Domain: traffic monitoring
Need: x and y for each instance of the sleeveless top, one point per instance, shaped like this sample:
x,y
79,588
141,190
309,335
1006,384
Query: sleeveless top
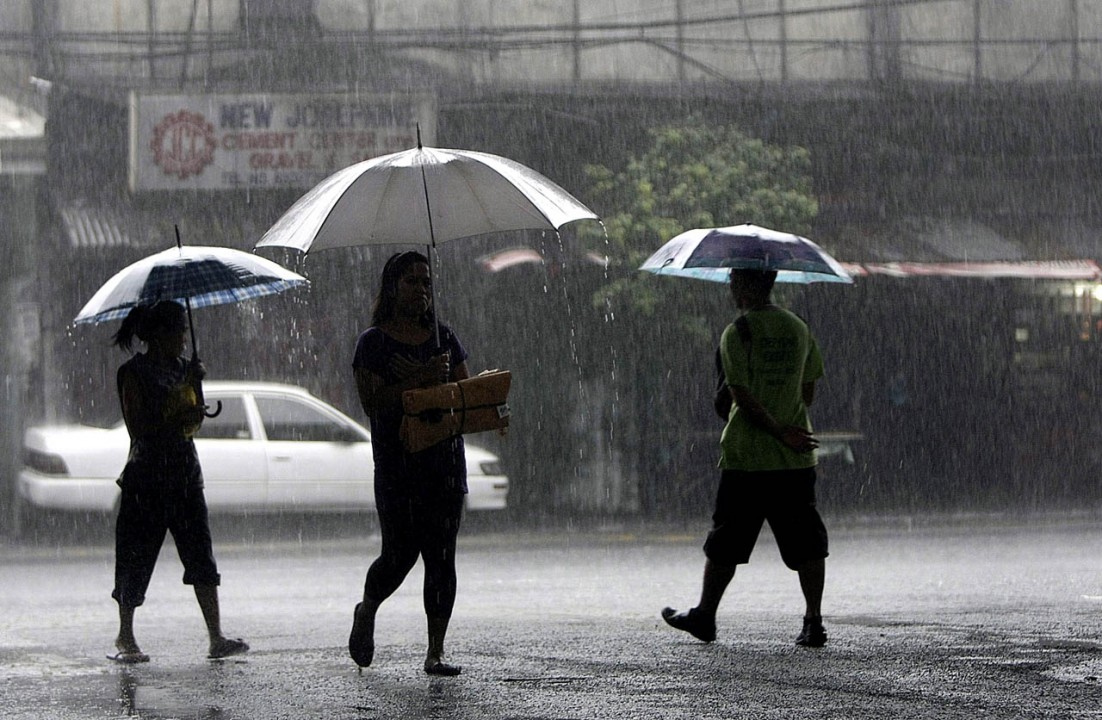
x,y
167,453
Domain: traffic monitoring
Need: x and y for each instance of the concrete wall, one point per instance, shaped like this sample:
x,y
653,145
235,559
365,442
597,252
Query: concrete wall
x,y
19,336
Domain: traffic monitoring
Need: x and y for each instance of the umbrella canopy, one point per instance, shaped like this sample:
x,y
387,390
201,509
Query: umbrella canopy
x,y
195,276
711,254
424,196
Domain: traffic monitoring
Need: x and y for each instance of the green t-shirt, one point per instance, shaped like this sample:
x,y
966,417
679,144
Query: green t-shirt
x,y
783,356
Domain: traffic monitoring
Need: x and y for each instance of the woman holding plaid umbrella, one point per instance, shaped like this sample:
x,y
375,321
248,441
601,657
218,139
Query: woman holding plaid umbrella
x,y
162,483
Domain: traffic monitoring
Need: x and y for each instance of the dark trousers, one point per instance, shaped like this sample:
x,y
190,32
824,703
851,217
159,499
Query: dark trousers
x,y
417,524
147,511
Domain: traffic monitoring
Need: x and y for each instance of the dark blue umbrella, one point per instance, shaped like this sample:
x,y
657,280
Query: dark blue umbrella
x,y
194,277
711,254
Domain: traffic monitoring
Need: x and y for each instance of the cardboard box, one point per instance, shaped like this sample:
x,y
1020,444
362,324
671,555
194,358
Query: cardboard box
x,y
473,405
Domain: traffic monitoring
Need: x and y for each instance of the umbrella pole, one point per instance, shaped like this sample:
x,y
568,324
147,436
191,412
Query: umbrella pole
x,y
196,381
191,328
432,289
187,304
429,248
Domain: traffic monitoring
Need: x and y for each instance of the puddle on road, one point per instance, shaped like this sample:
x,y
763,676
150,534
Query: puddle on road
x,y
1089,672
150,702
872,621
50,665
553,680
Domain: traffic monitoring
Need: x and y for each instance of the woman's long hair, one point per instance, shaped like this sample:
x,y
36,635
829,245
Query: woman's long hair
x,y
386,300
145,321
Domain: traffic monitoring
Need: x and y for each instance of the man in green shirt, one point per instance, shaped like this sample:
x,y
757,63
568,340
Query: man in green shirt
x,y
767,460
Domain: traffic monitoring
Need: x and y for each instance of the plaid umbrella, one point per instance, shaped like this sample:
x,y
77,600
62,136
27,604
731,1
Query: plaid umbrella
x,y
194,276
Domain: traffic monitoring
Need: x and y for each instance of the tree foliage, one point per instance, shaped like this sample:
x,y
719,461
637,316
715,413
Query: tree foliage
x,y
692,175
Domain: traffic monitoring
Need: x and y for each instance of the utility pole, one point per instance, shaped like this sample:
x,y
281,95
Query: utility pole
x,y
577,72
679,19
977,40
782,19
885,63
1075,43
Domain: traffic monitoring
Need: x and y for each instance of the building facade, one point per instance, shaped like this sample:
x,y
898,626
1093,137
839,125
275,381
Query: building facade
x,y
941,131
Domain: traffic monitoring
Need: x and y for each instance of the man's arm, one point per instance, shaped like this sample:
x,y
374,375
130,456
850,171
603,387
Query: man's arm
x,y
794,437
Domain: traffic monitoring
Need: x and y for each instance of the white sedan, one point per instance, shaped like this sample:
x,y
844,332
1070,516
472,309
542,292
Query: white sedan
x,y
273,447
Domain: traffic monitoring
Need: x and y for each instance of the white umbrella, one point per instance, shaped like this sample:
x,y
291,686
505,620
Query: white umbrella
x,y
711,254
424,196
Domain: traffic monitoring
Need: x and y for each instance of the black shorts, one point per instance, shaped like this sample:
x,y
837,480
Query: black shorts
x,y
786,498
149,508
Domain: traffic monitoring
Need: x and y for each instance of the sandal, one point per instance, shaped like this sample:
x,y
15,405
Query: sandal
x,y
129,657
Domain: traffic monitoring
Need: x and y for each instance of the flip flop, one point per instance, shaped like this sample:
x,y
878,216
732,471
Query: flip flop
x,y
129,657
227,647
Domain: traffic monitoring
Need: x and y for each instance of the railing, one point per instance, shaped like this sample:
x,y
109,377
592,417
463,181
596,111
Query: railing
x,y
950,41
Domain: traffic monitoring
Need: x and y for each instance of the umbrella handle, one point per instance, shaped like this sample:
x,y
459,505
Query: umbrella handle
x,y
196,381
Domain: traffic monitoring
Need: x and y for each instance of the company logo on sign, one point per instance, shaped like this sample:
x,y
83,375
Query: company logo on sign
x,y
183,144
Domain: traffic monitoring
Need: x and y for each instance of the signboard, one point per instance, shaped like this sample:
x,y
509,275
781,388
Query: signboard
x,y
260,141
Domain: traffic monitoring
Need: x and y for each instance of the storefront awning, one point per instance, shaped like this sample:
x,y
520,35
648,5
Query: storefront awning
x,y
1035,270
96,223
965,248
93,227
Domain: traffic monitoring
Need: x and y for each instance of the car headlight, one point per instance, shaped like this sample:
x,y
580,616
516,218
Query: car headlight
x,y
491,467
45,463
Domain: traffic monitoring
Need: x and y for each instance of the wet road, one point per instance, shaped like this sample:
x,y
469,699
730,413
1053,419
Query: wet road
x,y
942,620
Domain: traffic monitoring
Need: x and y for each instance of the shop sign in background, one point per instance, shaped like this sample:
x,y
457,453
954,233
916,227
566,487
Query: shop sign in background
x,y
226,142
